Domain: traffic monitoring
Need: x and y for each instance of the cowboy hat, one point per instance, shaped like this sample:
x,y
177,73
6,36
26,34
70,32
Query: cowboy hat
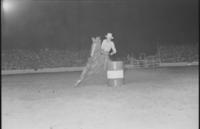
x,y
109,35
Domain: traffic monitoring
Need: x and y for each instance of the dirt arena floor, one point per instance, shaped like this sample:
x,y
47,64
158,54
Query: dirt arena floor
x,y
165,98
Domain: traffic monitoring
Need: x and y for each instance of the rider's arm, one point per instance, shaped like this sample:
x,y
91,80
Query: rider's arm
x,y
114,51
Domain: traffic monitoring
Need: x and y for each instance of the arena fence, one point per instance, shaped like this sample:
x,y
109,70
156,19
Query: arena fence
x,y
78,69
147,62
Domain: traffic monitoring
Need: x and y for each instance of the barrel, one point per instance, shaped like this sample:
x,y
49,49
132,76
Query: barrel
x,y
115,73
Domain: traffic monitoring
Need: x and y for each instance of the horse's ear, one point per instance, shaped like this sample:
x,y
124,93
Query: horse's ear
x,y
98,38
93,39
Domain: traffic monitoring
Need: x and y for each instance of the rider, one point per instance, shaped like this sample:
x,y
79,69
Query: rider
x,y
107,46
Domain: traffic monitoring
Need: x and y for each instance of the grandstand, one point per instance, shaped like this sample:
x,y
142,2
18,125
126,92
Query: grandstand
x,y
19,59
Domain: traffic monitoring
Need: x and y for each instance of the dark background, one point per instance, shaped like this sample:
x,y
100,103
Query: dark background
x,y
137,25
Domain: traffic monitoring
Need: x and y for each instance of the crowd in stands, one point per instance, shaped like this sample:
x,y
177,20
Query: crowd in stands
x,y
52,58
43,58
179,53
